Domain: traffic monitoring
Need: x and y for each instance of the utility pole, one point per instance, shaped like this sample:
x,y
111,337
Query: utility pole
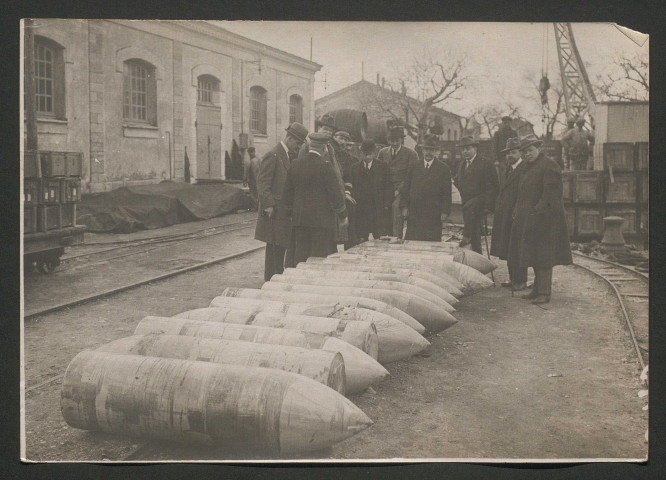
x,y
29,85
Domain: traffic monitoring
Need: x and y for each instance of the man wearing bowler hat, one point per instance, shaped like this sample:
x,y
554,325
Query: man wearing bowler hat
x,y
478,184
539,237
273,225
426,196
314,199
398,157
374,194
503,216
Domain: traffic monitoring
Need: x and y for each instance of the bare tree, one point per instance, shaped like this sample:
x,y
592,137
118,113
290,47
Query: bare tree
x,y
553,112
426,83
629,79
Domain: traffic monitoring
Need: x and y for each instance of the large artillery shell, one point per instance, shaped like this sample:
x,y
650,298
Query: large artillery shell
x,y
447,282
360,368
363,335
406,281
359,283
328,305
433,317
245,408
319,365
395,340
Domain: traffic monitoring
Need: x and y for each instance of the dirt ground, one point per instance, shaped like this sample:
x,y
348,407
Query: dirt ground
x,y
510,380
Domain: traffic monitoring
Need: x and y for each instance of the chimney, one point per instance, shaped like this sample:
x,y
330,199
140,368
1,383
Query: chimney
x,y
377,78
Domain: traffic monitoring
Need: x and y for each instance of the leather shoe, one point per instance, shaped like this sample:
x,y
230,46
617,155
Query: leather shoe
x,y
518,287
464,242
541,299
530,296
507,284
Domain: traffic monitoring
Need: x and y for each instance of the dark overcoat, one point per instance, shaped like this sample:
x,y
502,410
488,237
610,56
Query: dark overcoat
x,y
539,236
426,194
373,193
398,164
478,184
312,192
270,185
503,217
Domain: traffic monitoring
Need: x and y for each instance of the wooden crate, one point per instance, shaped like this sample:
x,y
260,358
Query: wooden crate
x,y
67,215
74,162
589,221
31,191
70,190
642,155
49,191
31,166
48,217
622,188
570,216
29,219
588,187
629,214
644,183
54,164
620,156
567,187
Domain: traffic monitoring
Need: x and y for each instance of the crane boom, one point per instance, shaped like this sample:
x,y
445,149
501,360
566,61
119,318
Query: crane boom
x,y
579,98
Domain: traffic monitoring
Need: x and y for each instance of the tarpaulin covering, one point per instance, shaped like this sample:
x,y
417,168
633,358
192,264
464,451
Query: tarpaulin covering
x,y
128,209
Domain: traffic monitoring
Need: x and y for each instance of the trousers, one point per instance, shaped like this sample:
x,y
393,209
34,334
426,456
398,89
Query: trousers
x,y
274,260
517,274
398,221
543,280
473,221
311,242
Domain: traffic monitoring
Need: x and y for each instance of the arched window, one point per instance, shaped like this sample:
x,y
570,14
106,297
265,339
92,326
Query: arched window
x,y
295,109
49,78
139,92
258,110
208,90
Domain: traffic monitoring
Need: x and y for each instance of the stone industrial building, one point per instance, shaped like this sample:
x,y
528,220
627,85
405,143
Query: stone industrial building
x,y
382,104
139,97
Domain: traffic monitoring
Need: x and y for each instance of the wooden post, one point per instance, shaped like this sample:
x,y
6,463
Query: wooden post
x,y
29,85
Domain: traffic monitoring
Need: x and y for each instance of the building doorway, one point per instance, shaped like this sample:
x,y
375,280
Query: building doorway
x,y
208,126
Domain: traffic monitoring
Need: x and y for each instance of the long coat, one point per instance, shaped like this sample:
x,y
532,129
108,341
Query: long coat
x,y
270,184
398,164
373,193
478,184
312,193
539,236
503,217
426,194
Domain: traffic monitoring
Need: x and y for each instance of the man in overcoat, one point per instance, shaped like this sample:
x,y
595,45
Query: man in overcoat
x,y
502,135
539,237
346,160
314,199
503,216
426,197
398,157
374,194
273,225
478,184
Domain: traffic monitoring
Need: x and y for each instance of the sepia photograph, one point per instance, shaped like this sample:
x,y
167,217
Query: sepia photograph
x,y
334,241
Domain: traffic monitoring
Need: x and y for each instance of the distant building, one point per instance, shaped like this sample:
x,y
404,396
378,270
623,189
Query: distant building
x,y
135,96
368,97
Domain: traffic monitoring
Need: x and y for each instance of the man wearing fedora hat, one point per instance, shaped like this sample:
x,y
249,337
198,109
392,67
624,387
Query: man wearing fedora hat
x,y
273,225
398,157
502,135
426,196
478,184
539,237
314,199
503,216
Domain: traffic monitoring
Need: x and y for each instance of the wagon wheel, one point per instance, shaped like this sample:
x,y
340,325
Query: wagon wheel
x,y
49,265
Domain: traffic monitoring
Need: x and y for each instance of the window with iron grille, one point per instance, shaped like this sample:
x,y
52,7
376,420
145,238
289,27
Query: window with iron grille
x,y
49,71
139,92
295,109
258,110
207,88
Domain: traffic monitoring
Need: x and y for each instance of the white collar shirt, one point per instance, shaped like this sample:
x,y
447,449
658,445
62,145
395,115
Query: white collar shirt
x,y
368,165
428,164
286,150
469,162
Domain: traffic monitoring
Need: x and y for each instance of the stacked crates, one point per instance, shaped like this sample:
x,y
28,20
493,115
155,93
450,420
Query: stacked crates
x,y
51,189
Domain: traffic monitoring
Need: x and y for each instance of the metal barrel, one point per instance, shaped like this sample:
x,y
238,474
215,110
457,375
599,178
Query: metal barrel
x,y
319,365
248,408
430,287
395,340
293,303
354,121
433,317
362,335
361,283
449,284
360,368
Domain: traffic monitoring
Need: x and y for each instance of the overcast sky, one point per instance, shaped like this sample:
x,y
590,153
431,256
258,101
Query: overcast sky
x,y
499,54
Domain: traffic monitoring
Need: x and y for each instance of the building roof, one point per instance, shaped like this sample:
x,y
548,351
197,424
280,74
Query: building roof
x,y
365,84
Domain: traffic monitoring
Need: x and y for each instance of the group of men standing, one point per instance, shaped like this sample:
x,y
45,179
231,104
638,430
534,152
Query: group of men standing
x,y
314,195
